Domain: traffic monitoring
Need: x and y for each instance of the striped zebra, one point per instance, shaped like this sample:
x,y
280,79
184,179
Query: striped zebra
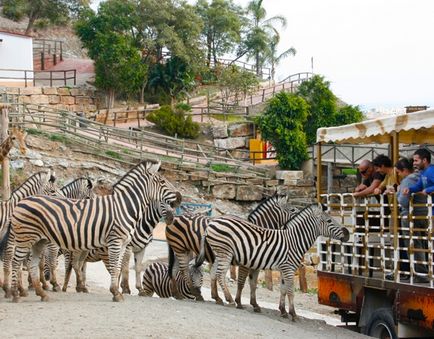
x,y
140,239
156,279
80,188
39,183
235,240
184,236
88,223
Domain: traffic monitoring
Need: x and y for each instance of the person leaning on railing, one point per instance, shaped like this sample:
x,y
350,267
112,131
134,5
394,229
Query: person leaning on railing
x,y
370,179
383,165
404,169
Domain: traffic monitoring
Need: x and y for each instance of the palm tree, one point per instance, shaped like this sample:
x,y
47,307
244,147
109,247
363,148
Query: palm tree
x,y
275,59
260,34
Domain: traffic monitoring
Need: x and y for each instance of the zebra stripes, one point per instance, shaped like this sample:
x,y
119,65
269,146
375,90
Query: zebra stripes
x,y
233,239
87,224
156,280
39,183
140,239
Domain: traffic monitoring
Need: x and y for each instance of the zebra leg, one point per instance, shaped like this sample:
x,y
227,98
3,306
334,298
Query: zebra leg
x,y
52,258
68,268
224,263
287,288
253,282
116,251
77,264
43,260
23,292
138,266
7,267
37,249
242,275
214,291
14,265
125,272
183,259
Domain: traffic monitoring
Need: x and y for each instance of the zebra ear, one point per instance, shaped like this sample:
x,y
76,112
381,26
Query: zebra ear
x,y
153,167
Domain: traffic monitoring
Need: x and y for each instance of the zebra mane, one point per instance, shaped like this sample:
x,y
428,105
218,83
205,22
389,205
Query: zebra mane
x,y
275,196
52,179
89,182
143,164
296,215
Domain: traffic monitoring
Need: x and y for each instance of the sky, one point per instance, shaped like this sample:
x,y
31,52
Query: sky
x,y
374,53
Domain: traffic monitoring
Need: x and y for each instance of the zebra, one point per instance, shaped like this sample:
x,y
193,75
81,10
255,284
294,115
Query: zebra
x,y
80,188
39,183
156,279
184,236
87,223
140,239
234,239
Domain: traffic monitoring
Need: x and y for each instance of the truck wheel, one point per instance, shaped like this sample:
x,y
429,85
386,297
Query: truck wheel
x,y
381,324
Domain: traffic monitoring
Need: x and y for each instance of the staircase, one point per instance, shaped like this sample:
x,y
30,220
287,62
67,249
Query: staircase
x,y
46,53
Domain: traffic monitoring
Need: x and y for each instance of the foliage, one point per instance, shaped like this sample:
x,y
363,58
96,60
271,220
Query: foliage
x,y
58,137
222,168
113,154
272,56
52,11
221,32
282,124
235,81
323,107
174,77
34,131
174,122
349,171
259,34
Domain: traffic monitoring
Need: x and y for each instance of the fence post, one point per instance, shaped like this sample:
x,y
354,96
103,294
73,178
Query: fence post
x,y
64,77
61,51
263,95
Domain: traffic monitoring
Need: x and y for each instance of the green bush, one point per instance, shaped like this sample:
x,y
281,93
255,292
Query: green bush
x,y
222,168
349,171
174,121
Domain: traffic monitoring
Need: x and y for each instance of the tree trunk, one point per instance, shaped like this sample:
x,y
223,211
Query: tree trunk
x,y
110,98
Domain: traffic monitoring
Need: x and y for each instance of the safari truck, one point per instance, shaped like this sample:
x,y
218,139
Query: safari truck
x,y
362,278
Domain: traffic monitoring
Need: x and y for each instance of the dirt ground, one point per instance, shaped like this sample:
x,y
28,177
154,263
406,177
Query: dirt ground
x,y
78,315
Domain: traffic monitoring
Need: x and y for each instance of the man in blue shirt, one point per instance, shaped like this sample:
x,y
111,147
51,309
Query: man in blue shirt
x,y
425,184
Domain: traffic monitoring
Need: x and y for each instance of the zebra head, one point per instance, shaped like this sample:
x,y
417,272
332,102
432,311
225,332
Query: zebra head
x,y
166,212
160,188
50,187
329,227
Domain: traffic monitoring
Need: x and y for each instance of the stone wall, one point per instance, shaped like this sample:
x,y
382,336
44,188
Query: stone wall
x,y
64,98
234,138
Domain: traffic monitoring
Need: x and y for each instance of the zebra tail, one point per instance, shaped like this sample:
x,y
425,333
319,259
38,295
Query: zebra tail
x,y
4,237
172,260
201,256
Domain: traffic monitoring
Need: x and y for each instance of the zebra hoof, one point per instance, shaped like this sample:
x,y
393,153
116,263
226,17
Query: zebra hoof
x,y
8,294
142,294
56,288
199,298
126,291
284,315
16,299
118,297
44,287
256,309
64,289
219,302
240,307
24,293
45,298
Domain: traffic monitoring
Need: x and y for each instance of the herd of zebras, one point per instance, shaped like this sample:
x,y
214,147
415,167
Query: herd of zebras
x,y
40,221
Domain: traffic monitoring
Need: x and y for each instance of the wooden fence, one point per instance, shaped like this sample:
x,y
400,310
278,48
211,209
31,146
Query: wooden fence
x,y
46,52
40,78
128,145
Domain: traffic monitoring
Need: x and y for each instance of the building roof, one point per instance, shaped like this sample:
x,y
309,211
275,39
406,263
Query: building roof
x,y
18,34
413,128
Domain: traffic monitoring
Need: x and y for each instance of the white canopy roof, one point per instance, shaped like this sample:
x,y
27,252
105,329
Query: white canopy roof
x,y
413,128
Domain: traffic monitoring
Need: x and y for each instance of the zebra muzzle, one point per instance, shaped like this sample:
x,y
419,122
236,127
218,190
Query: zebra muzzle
x,y
176,202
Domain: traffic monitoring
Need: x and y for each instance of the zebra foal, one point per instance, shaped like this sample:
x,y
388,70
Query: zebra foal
x,y
82,225
234,239
156,280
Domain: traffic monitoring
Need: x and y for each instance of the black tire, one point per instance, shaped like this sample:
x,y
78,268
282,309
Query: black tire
x,y
381,324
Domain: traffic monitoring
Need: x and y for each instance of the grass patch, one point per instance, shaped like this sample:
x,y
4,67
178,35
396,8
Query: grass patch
x,y
58,137
126,151
222,168
349,171
34,131
113,154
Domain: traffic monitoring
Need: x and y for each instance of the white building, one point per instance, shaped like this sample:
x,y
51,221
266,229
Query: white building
x,y
16,59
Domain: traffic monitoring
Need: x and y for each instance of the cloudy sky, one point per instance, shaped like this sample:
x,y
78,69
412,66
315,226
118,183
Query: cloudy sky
x,y
375,53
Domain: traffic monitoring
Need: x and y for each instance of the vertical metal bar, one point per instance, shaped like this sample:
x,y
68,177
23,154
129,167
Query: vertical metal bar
x,y
318,171
5,163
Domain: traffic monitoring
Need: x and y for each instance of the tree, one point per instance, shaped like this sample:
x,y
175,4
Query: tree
x,y
273,58
221,30
259,34
118,62
282,124
55,11
323,107
235,81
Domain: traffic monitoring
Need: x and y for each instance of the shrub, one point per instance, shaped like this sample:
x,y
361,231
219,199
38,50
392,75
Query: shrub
x,y
174,121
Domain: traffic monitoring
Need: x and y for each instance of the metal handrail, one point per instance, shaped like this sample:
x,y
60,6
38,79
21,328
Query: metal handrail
x,y
33,77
